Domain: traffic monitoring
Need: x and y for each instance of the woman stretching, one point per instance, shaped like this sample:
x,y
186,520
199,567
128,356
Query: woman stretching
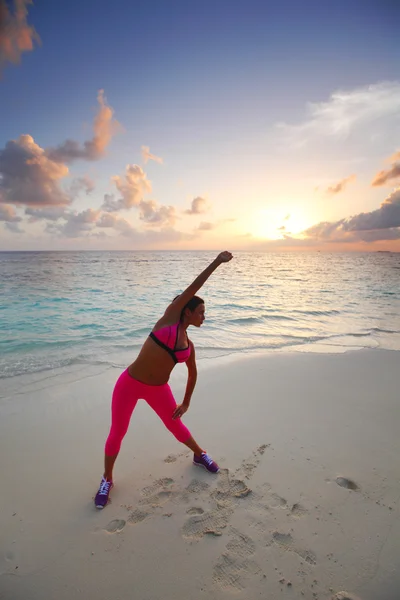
x,y
147,377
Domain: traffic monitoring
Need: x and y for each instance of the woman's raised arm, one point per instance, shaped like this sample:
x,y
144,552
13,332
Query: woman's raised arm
x,y
176,307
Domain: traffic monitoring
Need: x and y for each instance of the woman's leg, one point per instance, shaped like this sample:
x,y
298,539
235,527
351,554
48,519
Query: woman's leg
x,y
124,400
162,401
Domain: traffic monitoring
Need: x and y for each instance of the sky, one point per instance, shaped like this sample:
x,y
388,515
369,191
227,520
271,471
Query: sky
x,y
264,125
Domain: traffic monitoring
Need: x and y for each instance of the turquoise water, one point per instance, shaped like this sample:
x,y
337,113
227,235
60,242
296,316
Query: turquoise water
x,y
63,308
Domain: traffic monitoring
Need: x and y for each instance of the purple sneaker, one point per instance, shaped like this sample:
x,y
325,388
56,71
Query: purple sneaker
x,y
103,493
206,461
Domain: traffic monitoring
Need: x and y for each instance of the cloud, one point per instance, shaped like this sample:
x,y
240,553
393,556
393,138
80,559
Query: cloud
x,y
146,154
154,214
339,187
31,175
50,213
114,221
104,128
345,111
198,207
28,176
384,176
16,36
76,223
206,226
81,184
13,227
380,224
282,228
8,214
132,186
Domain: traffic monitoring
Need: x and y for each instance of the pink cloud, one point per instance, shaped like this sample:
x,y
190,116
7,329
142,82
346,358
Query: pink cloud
x,y
387,175
132,186
146,154
104,128
16,36
340,185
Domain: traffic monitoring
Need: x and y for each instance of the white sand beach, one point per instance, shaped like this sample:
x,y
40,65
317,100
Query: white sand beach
x,y
306,504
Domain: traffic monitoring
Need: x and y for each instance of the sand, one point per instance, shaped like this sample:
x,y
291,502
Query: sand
x,y
306,504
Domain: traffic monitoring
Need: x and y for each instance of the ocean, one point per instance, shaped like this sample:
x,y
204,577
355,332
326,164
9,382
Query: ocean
x,y
70,308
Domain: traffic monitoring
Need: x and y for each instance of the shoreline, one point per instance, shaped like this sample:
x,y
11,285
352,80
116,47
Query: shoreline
x,y
223,359
290,432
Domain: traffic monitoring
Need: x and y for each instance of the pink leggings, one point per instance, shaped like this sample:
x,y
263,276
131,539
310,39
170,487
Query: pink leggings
x,y
127,392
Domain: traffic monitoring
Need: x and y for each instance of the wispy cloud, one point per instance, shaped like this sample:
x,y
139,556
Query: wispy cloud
x,y
209,226
104,128
147,155
345,111
16,36
81,184
387,175
340,185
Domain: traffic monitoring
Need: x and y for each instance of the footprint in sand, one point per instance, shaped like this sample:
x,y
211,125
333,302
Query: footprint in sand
x,y
344,596
241,544
160,484
171,458
298,510
208,523
195,510
226,496
137,516
194,489
347,483
234,565
285,541
158,493
250,464
115,526
228,490
276,501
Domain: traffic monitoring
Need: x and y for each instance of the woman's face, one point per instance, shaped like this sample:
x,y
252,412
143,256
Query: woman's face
x,y
197,316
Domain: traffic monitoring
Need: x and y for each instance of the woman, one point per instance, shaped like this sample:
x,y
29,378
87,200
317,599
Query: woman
x,y
147,377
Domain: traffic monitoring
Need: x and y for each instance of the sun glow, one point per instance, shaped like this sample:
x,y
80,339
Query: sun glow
x,y
274,224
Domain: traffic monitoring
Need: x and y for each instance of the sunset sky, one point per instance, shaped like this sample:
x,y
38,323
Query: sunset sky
x,y
210,125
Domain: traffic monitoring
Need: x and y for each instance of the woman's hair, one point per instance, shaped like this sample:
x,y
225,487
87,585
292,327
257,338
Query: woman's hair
x,y
191,305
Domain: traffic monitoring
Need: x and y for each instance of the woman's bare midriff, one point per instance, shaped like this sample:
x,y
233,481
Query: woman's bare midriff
x,y
153,365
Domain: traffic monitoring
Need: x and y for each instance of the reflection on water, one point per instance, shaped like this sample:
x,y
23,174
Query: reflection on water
x,y
63,307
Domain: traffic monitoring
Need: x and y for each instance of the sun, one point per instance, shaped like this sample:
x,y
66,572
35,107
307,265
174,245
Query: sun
x,y
275,223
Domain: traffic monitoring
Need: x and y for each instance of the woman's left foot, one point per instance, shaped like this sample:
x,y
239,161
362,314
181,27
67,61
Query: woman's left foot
x,y
102,495
205,461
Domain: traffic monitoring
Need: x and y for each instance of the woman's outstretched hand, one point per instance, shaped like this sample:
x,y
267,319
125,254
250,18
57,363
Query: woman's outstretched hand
x,y
224,257
179,411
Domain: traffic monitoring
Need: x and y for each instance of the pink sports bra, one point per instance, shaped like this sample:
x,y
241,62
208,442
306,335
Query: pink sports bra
x,y
167,338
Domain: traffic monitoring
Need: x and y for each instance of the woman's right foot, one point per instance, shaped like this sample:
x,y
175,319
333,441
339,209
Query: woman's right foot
x,y
205,461
102,495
